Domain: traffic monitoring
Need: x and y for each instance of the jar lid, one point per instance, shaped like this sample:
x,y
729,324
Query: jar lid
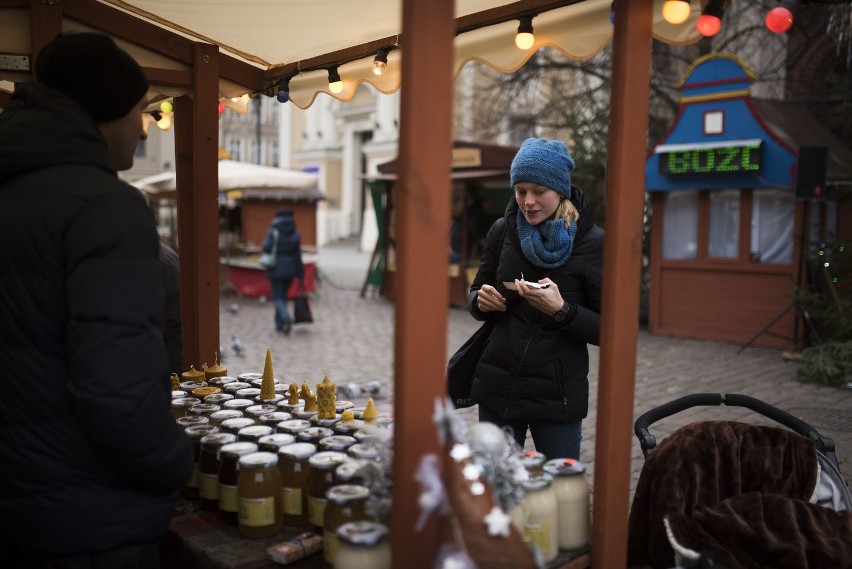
x,y
292,426
336,442
362,533
216,440
178,393
285,405
533,459
341,406
237,423
225,414
190,385
327,459
538,481
254,432
351,469
275,417
192,420
221,380
297,450
185,401
345,427
218,398
314,433
204,408
258,460
347,493
270,400
363,450
275,441
250,376
238,403
564,467
302,414
258,410
233,450
198,431
235,386
248,393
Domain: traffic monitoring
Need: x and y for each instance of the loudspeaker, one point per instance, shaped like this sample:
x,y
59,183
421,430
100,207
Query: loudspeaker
x,y
810,177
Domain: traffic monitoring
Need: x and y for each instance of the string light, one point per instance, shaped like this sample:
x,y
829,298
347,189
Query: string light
x,y
380,62
676,11
710,21
525,38
780,18
335,85
283,94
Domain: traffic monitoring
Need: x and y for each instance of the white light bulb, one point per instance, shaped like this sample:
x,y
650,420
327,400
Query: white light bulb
x,y
336,87
676,11
379,67
524,40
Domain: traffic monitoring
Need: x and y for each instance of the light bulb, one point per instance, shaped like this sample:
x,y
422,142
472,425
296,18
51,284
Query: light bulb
x,y
335,85
166,107
379,67
708,26
779,19
524,40
165,123
676,11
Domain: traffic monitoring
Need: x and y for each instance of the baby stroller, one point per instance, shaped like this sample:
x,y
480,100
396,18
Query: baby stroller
x,y
733,495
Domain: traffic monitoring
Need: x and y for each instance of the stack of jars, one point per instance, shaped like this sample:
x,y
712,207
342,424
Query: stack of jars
x,y
261,468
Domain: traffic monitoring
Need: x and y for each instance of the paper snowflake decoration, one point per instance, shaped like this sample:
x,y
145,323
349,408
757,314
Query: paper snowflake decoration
x,y
497,522
460,452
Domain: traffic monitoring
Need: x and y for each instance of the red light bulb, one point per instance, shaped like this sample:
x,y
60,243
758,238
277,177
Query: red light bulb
x,y
221,108
708,26
779,19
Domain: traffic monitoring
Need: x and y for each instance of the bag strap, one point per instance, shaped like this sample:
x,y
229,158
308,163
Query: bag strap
x,y
274,241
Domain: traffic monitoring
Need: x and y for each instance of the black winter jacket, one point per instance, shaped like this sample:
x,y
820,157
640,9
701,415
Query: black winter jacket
x,y
90,457
533,367
288,252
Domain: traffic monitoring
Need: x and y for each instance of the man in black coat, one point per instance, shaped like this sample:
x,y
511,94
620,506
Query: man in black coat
x,y
91,457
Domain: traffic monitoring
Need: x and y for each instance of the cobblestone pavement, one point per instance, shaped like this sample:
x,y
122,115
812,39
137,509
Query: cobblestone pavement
x,y
352,338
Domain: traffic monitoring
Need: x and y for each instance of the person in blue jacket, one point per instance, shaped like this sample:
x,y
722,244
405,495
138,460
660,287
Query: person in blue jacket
x,y
91,460
283,239
533,372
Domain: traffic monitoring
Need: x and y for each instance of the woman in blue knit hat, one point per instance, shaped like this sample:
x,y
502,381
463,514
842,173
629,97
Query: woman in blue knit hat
x,y
533,373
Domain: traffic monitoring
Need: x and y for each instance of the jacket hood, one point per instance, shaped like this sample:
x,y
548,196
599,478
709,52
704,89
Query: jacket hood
x,y
578,198
42,127
285,225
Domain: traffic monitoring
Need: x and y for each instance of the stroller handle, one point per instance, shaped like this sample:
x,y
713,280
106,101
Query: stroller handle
x,y
647,441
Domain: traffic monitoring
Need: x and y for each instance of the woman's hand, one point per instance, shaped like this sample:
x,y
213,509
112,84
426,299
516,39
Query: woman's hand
x,y
488,299
547,300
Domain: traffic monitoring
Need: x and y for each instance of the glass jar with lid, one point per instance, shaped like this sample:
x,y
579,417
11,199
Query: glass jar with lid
x,y
229,468
295,468
221,381
273,441
204,409
181,405
339,443
192,420
572,501
218,398
344,503
348,427
259,494
253,433
250,376
257,410
274,400
195,434
293,426
363,545
208,468
541,524
235,386
287,407
238,403
272,419
352,471
364,451
248,393
218,417
188,386
533,461
314,434
320,478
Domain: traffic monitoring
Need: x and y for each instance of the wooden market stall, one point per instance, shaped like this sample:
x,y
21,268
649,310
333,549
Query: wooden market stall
x,y
183,61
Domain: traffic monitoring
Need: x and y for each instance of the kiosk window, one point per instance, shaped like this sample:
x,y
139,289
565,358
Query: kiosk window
x,y
680,225
724,224
772,219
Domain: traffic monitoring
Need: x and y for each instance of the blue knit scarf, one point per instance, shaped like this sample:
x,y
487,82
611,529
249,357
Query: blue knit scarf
x,y
547,245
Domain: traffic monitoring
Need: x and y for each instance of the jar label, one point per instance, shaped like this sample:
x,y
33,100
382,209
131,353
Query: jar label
x,y
330,547
208,486
193,481
316,510
257,512
291,501
540,534
228,498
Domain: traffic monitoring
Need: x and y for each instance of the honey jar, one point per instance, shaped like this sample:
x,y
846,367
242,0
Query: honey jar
x,y
218,398
236,424
253,433
313,434
259,495
192,420
221,381
189,386
235,386
320,478
238,403
274,441
272,419
339,443
248,393
229,467
257,410
203,409
541,519
294,468
208,468
572,501
364,451
533,461
181,405
250,376
344,503
195,434
218,417
293,426
363,545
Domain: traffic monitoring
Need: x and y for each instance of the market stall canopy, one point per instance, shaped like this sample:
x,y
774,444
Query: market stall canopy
x,y
263,42
235,175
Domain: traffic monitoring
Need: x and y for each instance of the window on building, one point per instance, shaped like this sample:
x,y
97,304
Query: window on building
x,y
772,220
680,225
724,237
275,158
235,148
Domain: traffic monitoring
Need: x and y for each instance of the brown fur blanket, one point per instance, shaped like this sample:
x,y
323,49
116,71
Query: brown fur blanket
x,y
738,493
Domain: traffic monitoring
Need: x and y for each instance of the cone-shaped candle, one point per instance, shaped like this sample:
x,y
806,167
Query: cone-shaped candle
x,y
310,398
267,384
293,391
192,375
370,412
326,400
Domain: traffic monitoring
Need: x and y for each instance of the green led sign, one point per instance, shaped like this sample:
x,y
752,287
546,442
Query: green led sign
x,y
712,160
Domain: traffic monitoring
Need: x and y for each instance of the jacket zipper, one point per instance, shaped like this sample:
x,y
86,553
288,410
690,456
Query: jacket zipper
x,y
561,384
520,365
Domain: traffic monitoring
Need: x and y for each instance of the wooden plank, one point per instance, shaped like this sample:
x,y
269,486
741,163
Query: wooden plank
x,y
423,214
621,274
45,24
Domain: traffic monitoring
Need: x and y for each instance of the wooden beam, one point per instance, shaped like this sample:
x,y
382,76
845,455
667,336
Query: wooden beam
x,y
45,23
423,213
621,271
197,145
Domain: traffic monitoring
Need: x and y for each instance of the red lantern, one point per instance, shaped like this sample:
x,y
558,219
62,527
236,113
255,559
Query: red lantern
x,y
221,108
779,19
708,25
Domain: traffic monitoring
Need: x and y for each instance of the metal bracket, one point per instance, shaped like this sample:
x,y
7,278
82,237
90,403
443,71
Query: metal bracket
x,y
15,62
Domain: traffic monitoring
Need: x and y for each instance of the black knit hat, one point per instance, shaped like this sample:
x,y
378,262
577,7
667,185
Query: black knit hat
x,y
91,69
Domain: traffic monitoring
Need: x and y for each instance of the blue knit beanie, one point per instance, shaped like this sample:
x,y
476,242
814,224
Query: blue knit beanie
x,y
543,162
